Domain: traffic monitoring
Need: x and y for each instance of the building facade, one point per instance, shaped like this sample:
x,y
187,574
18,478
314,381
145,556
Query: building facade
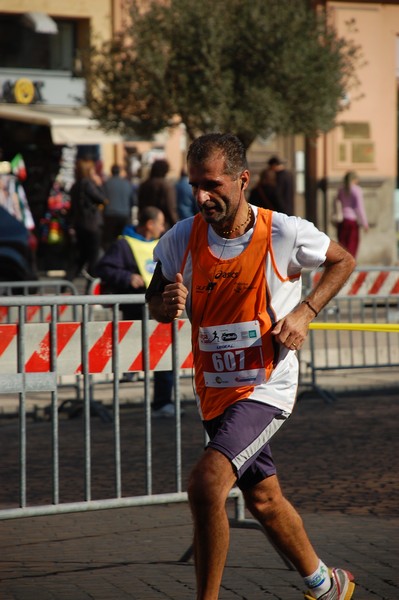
x,y
42,112
42,90
365,139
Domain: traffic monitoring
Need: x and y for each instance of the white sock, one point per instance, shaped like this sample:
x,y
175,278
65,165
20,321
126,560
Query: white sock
x,y
318,582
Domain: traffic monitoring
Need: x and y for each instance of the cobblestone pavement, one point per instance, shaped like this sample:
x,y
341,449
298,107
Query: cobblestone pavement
x,y
338,463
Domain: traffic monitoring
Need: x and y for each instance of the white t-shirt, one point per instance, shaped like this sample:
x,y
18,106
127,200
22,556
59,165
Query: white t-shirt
x,y
296,244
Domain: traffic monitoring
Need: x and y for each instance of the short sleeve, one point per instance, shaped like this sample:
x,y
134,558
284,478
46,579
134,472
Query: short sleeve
x,y
171,248
297,244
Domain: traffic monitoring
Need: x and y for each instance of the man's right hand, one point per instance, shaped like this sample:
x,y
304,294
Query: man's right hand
x,y
174,297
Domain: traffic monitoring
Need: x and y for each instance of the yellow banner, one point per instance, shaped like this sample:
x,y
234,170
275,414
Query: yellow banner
x,y
142,252
390,327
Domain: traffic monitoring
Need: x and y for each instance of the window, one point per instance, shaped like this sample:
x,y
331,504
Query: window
x,y
22,48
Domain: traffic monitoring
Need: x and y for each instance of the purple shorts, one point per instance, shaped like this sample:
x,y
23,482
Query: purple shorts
x,y
242,434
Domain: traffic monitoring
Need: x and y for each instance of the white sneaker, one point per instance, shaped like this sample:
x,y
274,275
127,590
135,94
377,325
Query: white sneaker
x,y
342,586
167,411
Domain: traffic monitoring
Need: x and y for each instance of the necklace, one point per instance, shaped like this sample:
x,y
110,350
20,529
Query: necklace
x,y
247,220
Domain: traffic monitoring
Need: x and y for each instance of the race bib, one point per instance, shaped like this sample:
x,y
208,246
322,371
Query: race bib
x,y
232,355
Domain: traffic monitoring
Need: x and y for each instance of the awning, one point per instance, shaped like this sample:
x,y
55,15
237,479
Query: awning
x,y
67,125
40,22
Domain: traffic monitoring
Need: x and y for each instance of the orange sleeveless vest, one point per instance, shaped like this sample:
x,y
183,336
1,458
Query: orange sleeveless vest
x,y
232,346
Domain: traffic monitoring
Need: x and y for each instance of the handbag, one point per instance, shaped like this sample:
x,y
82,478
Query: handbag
x,y
337,215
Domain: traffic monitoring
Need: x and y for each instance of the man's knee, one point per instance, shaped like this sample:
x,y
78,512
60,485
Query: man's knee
x,y
210,480
266,498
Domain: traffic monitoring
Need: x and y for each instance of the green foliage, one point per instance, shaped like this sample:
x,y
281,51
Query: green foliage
x,y
247,66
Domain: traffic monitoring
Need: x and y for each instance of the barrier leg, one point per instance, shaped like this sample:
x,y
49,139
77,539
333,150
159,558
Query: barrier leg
x,y
187,555
74,408
97,408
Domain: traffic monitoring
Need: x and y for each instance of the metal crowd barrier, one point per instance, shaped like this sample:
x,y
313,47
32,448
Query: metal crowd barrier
x,y
363,281
41,313
42,287
33,354
336,350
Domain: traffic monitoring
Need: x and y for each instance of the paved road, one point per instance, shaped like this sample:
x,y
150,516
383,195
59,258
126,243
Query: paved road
x,y
338,464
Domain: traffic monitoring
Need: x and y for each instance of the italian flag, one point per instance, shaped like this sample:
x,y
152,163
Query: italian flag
x,y
18,167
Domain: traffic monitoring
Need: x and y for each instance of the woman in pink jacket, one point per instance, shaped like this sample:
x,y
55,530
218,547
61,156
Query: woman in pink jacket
x,y
354,215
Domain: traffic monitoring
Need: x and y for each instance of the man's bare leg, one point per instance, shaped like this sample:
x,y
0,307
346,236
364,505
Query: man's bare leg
x,y
282,523
210,482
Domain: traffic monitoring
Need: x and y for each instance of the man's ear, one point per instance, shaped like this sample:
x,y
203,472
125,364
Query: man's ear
x,y
244,179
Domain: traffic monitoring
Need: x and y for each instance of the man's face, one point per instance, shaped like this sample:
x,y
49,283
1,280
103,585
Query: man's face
x,y
217,194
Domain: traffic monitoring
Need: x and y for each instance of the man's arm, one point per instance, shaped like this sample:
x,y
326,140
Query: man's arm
x,y
116,267
166,300
291,331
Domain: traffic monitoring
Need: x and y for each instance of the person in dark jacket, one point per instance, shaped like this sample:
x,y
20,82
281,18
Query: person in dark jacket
x,y
86,218
118,210
126,267
16,262
186,203
158,191
265,193
284,185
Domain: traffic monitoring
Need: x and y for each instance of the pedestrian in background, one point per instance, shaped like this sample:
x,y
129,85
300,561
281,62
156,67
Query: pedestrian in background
x,y
13,198
350,196
86,218
186,203
126,268
284,185
236,269
16,258
157,191
265,194
118,210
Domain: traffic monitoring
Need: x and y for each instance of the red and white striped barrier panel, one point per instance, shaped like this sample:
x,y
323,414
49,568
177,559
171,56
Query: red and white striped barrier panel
x,y
100,347
368,283
37,314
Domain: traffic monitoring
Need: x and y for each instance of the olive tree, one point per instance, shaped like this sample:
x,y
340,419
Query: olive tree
x,y
247,66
